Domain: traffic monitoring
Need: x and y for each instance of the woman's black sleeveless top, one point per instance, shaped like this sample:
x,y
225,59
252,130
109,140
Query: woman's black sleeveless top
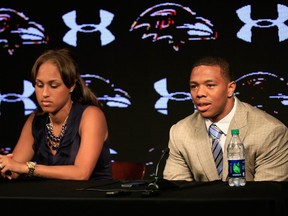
x,y
69,145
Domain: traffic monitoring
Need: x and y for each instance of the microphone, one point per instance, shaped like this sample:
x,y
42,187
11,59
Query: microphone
x,y
164,152
160,183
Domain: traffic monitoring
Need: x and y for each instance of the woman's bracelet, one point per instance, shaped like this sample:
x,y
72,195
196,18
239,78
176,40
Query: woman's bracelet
x,y
31,166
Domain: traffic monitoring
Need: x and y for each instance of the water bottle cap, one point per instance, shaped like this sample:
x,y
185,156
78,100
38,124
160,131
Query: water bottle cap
x,y
235,131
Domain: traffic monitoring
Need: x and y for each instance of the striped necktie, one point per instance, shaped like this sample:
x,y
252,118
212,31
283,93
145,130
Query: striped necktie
x,y
216,133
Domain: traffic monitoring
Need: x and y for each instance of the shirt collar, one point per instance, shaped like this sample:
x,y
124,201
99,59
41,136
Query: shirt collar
x,y
224,123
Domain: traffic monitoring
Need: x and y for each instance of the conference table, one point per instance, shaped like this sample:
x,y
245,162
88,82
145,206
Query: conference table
x,y
64,197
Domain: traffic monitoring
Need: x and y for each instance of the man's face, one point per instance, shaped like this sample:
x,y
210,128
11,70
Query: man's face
x,y
211,92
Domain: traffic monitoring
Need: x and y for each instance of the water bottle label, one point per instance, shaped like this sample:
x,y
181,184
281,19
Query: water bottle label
x,y
236,168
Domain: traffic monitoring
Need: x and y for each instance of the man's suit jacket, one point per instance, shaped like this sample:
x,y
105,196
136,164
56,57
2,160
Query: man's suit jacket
x,y
265,139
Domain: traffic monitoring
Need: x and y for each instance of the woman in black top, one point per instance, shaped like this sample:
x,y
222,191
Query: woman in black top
x,y
66,137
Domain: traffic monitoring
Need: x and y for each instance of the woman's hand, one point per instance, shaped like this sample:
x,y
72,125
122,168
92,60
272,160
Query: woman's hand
x,y
9,168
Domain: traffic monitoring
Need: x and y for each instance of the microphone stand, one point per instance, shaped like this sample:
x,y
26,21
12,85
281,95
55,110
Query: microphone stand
x,y
160,183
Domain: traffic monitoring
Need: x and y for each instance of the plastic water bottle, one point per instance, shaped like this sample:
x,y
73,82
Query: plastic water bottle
x,y
236,160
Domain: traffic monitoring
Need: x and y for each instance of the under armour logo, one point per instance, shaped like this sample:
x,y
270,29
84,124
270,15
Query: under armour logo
x,y
245,33
28,90
162,103
71,36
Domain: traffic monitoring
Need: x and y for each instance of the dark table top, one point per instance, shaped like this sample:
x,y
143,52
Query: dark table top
x,y
267,198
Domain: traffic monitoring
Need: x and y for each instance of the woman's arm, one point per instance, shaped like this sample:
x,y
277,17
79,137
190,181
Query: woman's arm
x,y
22,152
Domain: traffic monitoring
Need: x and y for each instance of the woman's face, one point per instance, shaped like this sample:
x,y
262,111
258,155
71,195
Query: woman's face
x,y
51,92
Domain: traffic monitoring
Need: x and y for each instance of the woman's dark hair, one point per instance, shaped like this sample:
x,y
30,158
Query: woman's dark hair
x,y
69,73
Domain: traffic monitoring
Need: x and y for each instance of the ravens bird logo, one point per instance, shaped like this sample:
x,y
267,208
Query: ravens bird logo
x,y
174,23
17,30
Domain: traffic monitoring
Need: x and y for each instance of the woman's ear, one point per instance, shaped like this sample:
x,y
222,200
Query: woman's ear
x,y
72,88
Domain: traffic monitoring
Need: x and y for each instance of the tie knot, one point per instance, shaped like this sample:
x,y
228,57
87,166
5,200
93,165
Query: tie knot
x,y
215,132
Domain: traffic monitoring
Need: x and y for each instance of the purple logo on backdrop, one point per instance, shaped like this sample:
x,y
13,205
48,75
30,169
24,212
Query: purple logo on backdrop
x,y
255,87
106,91
175,23
17,30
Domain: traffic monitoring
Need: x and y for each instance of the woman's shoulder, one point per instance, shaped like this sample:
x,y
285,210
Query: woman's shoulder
x,y
93,117
92,108
93,111
77,107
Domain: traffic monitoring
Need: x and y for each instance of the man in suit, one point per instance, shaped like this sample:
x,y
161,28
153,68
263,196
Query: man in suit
x,y
265,138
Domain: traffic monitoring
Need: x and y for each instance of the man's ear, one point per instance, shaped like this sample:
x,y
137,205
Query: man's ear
x,y
231,88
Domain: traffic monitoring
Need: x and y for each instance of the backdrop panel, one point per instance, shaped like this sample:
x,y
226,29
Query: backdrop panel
x,y
137,55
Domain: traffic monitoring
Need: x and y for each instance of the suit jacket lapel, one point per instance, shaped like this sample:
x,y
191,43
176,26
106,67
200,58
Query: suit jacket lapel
x,y
204,152
239,121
